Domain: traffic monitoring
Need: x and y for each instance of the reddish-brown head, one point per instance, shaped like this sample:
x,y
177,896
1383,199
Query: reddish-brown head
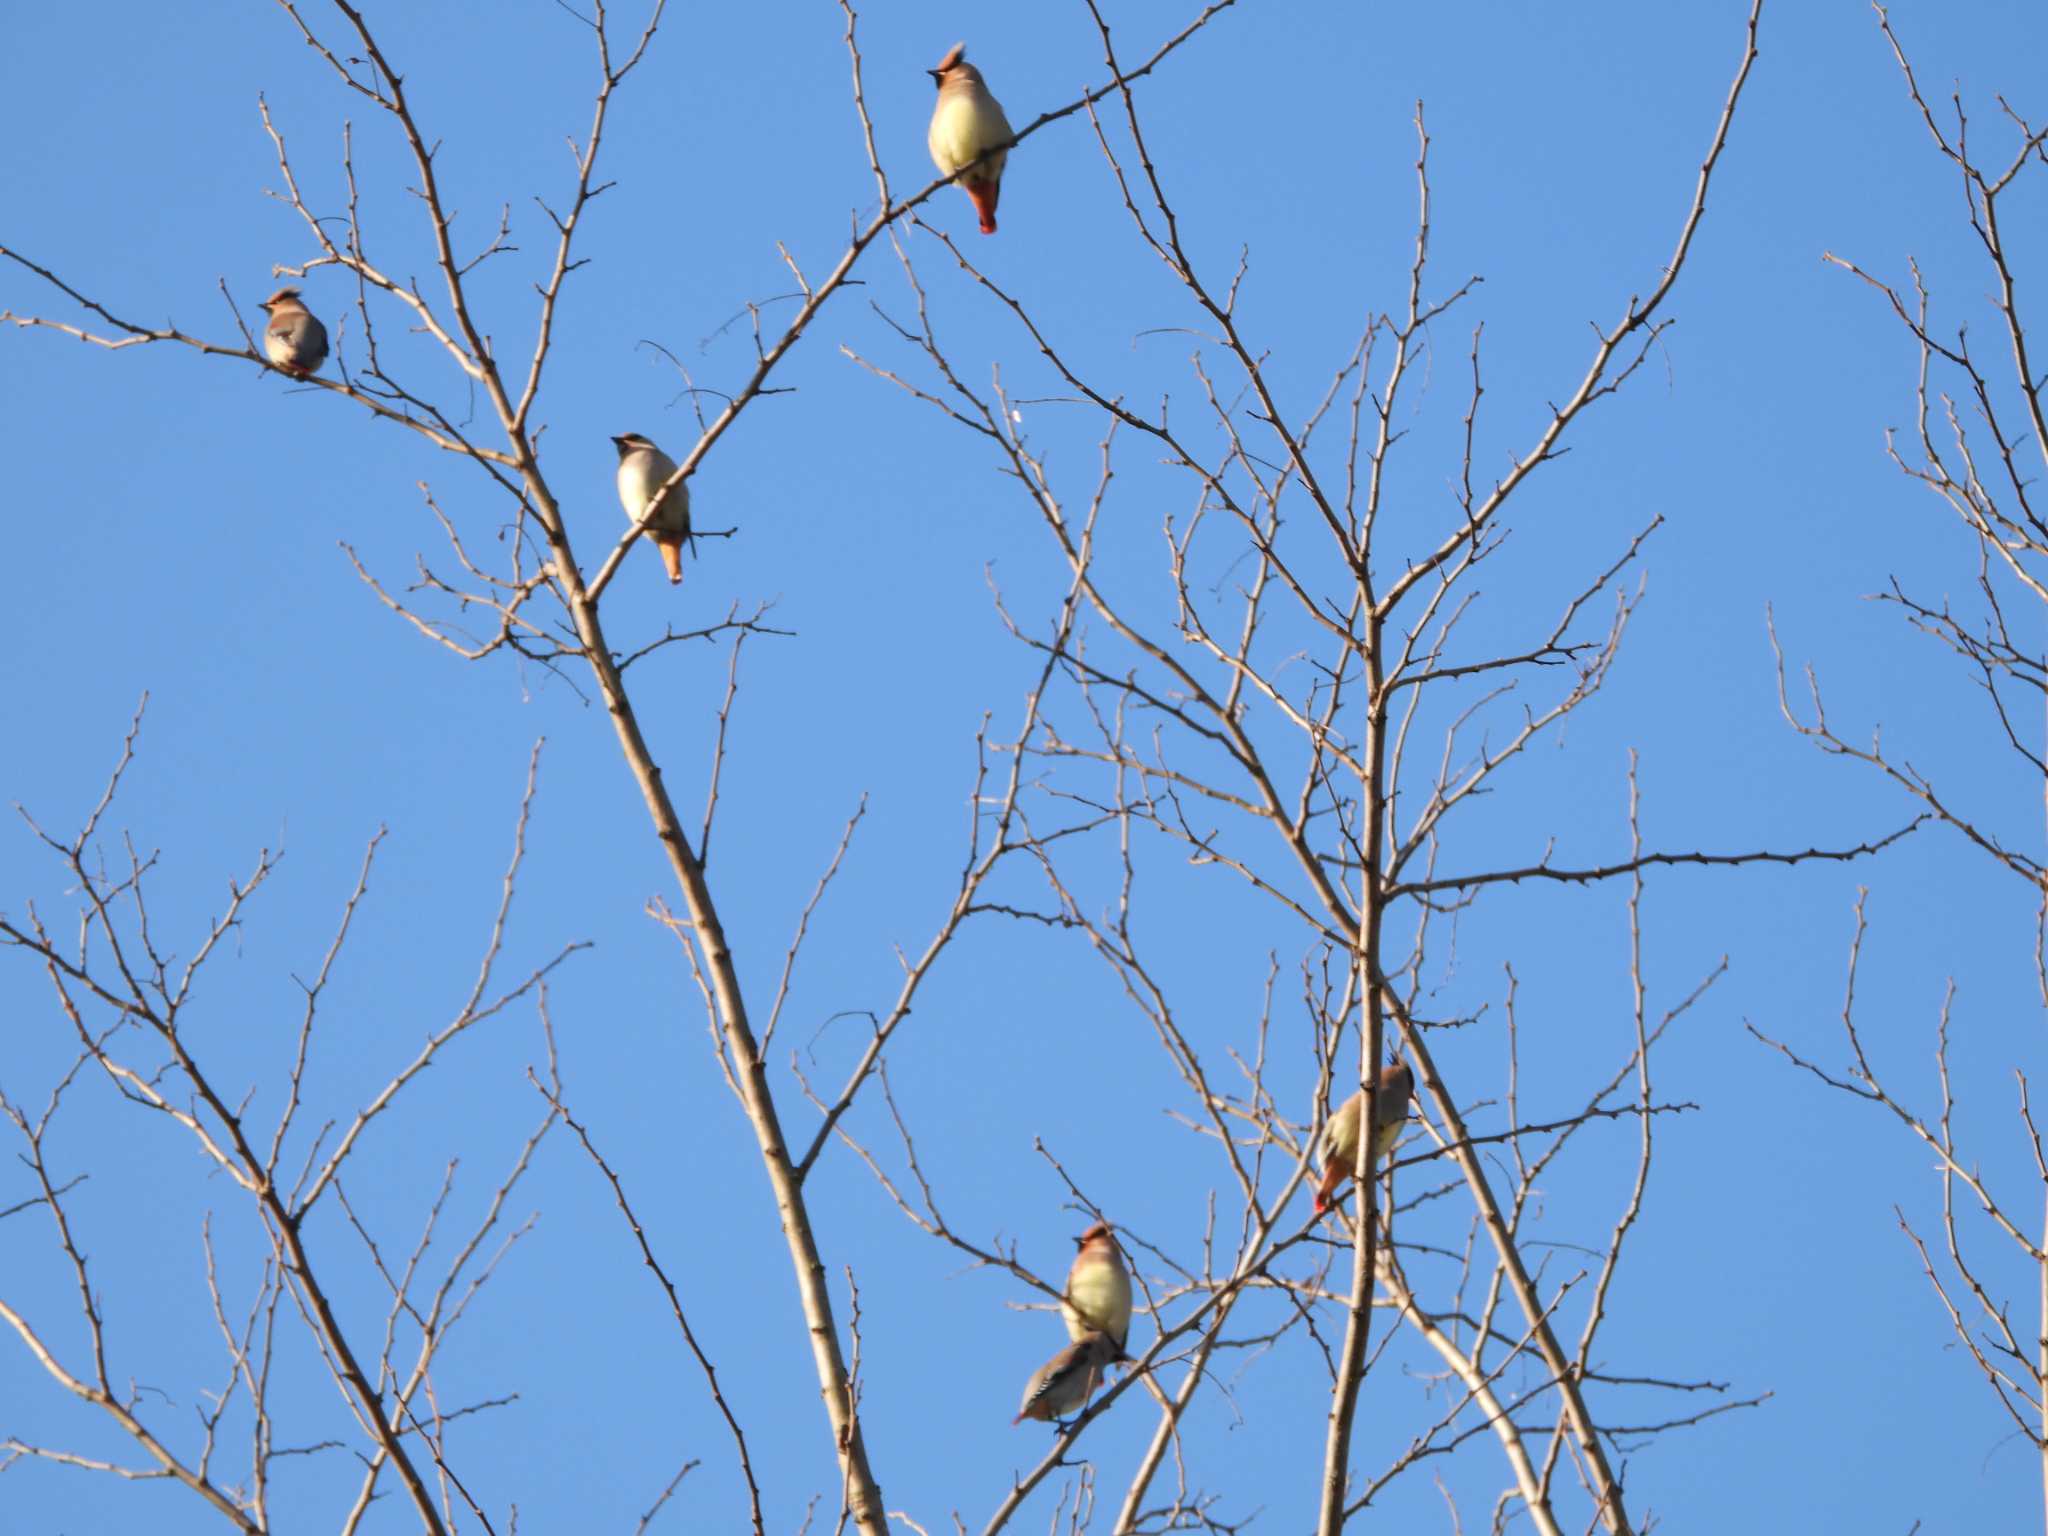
x,y
956,58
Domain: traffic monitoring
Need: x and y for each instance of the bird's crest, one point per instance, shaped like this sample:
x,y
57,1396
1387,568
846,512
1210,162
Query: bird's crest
x,y
955,55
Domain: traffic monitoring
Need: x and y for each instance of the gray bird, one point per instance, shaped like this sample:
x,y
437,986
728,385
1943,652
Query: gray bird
x,y
294,340
643,470
1064,1383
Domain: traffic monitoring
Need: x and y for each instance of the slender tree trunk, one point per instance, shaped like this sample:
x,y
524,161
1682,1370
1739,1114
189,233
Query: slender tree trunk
x,y
864,1497
1358,1321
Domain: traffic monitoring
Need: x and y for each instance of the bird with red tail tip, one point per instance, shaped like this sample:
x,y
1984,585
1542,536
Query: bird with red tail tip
x,y
1391,1093
967,124
1064,1383
643,470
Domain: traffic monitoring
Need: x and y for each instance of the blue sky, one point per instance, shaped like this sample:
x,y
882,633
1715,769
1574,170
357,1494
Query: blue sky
x,y
175,531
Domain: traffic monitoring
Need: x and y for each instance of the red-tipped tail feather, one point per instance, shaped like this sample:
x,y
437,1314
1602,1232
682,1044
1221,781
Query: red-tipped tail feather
x,y
1334,1173
985,194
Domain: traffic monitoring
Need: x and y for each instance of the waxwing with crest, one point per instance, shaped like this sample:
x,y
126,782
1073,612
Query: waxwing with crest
x,y
968,124
1395,1086
1098,1294
643,470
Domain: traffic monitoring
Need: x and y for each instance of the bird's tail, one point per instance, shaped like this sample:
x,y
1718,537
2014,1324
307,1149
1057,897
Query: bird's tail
x,y
985,194
672,557
1333,1174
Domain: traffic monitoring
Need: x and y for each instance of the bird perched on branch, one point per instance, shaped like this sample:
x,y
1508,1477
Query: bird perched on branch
x,y
1064,1383
1395,1087
1098,1298
643,470
294,340
966,124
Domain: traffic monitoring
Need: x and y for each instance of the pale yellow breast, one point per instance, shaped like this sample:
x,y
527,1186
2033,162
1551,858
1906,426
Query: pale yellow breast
x,y
1340,1134
641,474
1384,1138
965,124
1098,1300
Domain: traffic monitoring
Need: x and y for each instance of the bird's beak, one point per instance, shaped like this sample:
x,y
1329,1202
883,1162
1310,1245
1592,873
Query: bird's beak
x,y
938,76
